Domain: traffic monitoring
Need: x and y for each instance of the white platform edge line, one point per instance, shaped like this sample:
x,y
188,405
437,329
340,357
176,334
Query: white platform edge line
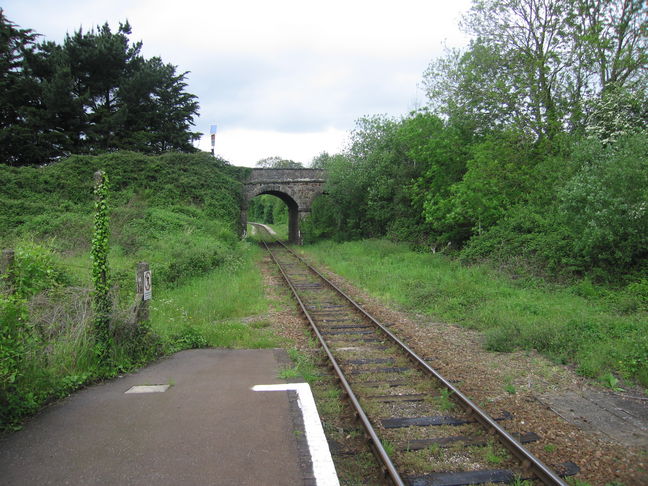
x,y
139,389
323,467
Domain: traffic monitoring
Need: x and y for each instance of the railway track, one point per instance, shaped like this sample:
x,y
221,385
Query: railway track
x,y
422,429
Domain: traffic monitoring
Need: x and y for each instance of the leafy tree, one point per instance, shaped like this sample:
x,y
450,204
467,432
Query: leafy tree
x,y
616,113
321,161
328,213
510,74
535,64
278,163
374,188
612,35
499,174
158,110
129,102
438,153
18,92
98,62
606,203
93,93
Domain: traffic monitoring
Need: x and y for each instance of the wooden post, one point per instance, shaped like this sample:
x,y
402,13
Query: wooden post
x,y
143,281
6,267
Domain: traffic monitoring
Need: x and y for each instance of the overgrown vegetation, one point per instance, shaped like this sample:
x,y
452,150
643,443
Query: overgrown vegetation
x,y
580,210
100,270
178,212
598,330
528,154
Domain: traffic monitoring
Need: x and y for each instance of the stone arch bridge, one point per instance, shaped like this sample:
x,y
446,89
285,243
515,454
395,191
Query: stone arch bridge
x,y
298,188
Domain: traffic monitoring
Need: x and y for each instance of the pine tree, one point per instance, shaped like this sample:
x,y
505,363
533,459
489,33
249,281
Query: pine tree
x,y
17,93
93,93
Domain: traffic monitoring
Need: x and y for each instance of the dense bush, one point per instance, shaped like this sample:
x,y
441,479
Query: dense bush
x,y
34,269
573,207
606,203
596,222
498,174
14,345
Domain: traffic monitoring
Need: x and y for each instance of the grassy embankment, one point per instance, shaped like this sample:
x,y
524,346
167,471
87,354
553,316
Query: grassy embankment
x,y
601,331
177,212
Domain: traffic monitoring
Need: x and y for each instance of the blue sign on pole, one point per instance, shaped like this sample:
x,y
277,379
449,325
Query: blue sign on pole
x,y
212,129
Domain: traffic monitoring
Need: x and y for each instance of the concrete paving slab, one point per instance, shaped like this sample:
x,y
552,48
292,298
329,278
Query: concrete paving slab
x,y
623,419
209,427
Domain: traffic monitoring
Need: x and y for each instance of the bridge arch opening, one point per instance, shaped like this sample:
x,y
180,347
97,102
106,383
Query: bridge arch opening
x,y
265,211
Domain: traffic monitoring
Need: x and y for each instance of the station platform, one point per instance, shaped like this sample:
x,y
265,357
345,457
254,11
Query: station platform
x,y
217,417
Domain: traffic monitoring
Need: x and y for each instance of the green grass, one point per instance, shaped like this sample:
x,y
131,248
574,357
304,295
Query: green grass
x,y
303,367
588,329
444,402
281,229
213,306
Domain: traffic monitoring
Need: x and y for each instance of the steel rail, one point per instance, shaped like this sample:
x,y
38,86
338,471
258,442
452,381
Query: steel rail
x,y
529,461
388,466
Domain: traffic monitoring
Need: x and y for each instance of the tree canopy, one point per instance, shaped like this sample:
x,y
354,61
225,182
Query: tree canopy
x,y
540,65
93,93
276,162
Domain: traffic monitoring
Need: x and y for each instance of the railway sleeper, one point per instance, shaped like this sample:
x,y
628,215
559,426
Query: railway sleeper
x,y
483,476
351,324
405,397
317,309
419,444
346,331
344,339
398,422
380,384
367,361
395,369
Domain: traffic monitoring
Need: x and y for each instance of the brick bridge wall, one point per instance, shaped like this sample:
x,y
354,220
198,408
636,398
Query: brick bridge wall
x,y
298,188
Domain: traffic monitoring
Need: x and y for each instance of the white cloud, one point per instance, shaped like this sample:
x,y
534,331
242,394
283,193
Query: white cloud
x,y
246,147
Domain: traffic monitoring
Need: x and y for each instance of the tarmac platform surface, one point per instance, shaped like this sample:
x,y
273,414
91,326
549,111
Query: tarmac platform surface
x,y
209,427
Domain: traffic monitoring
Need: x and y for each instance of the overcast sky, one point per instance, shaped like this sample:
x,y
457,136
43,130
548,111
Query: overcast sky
x,y
278,77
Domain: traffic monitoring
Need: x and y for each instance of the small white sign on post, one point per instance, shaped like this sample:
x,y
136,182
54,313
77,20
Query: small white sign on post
x,y
147,286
